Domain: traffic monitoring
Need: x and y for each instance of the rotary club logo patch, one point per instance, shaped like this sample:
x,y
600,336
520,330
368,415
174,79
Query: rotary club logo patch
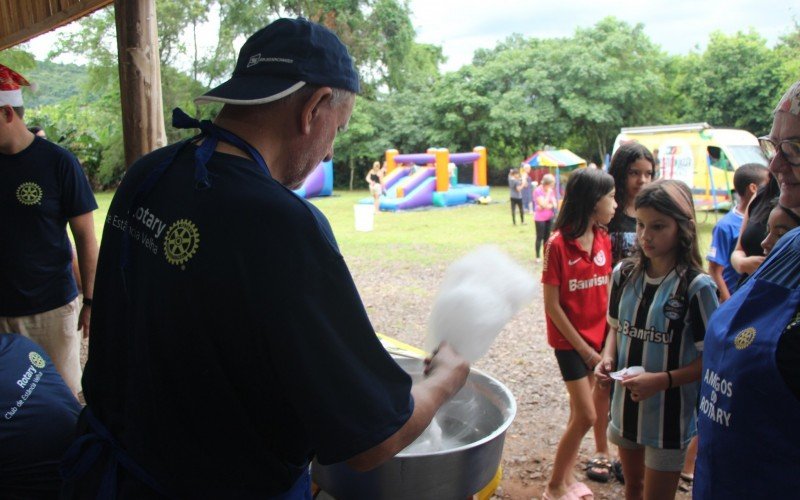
x,y
36,359
744,338
181,242
29,193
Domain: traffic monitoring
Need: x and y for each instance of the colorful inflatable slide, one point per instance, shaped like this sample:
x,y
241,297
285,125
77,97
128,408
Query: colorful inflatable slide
x,y
426,179
318,183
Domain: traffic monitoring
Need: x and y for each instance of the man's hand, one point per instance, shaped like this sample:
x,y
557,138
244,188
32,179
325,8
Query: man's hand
x,y
448,366
84,318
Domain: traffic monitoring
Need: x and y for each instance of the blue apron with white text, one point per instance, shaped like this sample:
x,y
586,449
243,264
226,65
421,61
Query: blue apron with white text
x,y
749,420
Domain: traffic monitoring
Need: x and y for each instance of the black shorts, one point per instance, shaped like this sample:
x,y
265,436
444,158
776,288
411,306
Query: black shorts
x,y
571,365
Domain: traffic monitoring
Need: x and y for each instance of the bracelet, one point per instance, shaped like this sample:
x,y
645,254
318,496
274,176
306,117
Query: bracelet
x,y
669,376
87,301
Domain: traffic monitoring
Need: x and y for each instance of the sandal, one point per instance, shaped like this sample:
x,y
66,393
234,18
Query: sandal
x,y
616,468
599,469
581,491
686,482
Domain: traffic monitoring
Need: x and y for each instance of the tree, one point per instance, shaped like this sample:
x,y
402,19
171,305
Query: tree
x,y
607,77
735,83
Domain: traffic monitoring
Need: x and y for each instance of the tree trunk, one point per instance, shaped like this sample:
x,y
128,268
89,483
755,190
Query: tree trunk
x,y
139,78
352,171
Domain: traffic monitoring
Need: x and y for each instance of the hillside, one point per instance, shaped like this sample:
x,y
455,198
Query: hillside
x,y
55,83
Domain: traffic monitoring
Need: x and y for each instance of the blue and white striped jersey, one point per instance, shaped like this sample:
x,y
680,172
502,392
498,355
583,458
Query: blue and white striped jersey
x,y
660,325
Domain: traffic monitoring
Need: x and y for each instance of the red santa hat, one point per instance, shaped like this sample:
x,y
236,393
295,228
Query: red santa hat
x,y
11,84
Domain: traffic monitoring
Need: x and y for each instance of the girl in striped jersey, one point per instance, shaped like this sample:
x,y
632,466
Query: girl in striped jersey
x,y
658,307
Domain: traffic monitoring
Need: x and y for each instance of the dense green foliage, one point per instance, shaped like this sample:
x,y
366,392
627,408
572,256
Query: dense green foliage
x,y
520,96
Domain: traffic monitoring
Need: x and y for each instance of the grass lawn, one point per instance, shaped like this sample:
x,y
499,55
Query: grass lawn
x,y
426,237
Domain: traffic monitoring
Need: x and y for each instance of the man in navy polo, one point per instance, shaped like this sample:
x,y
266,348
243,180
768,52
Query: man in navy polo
x,y
42,189
230,345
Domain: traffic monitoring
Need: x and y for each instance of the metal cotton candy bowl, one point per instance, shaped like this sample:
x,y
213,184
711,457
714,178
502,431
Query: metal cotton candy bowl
x,y
473,428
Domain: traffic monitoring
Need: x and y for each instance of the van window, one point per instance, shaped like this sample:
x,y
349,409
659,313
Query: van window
x,y
718,158
746,154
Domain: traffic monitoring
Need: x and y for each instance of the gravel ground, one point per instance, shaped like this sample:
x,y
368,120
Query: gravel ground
x,y
399,300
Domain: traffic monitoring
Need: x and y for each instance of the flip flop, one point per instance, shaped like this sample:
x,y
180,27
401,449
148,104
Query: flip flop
x,y
581,491
567,496
599,469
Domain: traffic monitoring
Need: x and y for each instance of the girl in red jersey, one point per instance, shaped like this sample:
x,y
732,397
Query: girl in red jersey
x,y
575,278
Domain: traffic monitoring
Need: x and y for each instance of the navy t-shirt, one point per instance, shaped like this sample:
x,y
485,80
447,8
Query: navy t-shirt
x,y
41,187
236,346
37,420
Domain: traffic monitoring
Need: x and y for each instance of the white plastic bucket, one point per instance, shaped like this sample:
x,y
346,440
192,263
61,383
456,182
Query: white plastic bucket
x,y
365,217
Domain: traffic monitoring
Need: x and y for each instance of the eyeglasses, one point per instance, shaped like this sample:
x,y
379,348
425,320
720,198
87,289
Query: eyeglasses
x,y
789,148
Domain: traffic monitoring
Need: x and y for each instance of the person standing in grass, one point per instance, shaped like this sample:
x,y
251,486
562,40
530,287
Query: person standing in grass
x,y
544,211
515,186
575,277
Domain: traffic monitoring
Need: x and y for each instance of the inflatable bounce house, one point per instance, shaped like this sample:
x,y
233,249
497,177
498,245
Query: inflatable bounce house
x,y
431,179
318,183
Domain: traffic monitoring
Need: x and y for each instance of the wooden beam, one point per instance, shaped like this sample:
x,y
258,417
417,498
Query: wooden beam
x,y
139,78
21,20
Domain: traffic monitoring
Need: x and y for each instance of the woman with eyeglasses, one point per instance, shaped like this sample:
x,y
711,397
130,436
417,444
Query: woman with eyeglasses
x,y
749,407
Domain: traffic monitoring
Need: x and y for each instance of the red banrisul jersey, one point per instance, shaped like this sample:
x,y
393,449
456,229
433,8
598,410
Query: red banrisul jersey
x,y
582,280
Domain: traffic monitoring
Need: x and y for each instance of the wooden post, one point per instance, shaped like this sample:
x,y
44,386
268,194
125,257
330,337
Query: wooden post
x,y
139,78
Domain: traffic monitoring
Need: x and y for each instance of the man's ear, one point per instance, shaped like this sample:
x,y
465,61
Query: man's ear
x,y
312,107
7,113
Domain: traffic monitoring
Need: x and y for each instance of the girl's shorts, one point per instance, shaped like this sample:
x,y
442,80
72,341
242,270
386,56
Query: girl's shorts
x,y
659,459
376,188
571,365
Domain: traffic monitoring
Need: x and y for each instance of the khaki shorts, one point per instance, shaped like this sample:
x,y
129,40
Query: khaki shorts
x,y
659,459
57,332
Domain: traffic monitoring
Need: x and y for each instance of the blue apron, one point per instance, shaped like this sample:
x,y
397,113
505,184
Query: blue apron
x,y
749,420
98,441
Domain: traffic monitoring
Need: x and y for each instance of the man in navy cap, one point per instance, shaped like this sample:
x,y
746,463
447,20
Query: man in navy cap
x,y
42,190
229,344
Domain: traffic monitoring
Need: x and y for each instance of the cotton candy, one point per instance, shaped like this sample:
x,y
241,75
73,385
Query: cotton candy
x,y
479,294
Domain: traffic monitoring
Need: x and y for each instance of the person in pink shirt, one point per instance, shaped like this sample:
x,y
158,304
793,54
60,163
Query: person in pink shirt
x,y
544,211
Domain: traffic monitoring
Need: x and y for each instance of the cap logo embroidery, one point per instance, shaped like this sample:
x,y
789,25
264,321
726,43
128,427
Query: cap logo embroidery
x,y
257,59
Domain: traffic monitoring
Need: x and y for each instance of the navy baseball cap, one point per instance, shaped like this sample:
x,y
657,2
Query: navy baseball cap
x,y
281,58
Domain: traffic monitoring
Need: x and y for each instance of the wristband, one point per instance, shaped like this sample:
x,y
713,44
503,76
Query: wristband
x,y
669,376
87,301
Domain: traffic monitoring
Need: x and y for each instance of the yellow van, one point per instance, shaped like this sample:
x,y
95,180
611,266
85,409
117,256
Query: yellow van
x,y
700,155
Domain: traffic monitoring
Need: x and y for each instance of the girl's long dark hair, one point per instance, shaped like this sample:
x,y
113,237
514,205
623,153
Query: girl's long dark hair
x,y
761,209
672,198
621,162
584,189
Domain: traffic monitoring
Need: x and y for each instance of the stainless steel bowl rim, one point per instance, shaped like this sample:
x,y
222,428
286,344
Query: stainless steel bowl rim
x,y
512,412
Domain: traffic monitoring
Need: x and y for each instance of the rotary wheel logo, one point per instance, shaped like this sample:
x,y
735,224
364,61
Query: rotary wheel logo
x,y
36,359
29,193
181,242
745,338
